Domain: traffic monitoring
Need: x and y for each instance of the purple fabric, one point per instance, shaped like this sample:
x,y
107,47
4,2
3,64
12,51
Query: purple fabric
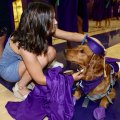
x,y
98,10
108,9
108,59
115,66
112,62
112,112
95,47
83,13
115,9
90,85
54,100
99,113
67,15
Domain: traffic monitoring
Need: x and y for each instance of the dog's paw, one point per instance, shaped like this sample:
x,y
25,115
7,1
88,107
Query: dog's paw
x,y
99,113
77,94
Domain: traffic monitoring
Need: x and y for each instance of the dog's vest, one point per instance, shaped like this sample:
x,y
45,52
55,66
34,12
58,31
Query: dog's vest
x,y
87,86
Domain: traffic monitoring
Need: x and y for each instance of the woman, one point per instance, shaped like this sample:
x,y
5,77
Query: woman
x,y
27,52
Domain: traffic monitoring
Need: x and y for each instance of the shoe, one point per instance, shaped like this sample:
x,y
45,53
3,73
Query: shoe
x,y
31,86
56,64
17,94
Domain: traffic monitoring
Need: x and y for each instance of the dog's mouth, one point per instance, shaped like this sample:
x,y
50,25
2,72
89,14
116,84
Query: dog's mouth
x,y
76,66
80,69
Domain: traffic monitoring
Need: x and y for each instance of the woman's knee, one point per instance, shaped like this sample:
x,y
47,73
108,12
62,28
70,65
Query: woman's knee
x,y
51,53
47,58
22,68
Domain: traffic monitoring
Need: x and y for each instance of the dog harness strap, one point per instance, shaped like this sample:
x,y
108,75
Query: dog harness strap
x,y
85,102
109,99
84,39
96,97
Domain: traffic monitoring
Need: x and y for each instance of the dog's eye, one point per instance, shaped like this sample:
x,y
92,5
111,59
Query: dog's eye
x,y
82,51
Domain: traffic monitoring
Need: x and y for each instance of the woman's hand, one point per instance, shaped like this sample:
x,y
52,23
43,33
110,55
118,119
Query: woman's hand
x,y
77,76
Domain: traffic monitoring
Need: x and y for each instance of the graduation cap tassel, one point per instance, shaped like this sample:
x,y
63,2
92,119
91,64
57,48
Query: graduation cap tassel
x,y
105,75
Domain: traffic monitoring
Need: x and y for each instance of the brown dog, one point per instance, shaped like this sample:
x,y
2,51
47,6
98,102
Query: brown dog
x,y
93,68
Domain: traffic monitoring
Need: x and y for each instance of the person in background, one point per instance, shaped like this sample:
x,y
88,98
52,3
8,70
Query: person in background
x,y
67,16
82,16
27,51
108,12
98,12
116,9
3,33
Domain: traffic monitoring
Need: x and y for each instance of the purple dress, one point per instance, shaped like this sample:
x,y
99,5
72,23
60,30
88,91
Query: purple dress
x,y
54,100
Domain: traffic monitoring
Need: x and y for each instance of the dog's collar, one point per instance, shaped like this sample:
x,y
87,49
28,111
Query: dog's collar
x,y
87,86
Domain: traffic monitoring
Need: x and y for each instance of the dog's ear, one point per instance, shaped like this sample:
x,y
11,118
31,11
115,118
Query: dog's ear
x,y
96,68
97,65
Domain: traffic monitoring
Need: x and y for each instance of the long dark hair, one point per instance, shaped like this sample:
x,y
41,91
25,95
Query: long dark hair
x,y
34,28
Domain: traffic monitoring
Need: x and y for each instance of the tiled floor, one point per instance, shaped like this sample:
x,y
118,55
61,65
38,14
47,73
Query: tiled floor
x,y
5,96
115,25
103,34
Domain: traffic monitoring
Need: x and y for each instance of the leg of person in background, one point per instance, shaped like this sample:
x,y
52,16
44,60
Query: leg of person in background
x,y
80,25
108,22
96,24
99,24
3,34
105,23
2,41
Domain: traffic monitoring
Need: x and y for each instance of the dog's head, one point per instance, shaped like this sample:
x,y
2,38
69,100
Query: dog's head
x,y
91,63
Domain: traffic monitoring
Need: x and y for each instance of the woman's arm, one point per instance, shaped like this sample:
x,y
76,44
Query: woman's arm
x,y
70,36
35,70
33,66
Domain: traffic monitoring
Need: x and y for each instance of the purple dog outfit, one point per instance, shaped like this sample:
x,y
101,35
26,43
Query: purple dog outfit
x,y
53,100
87,86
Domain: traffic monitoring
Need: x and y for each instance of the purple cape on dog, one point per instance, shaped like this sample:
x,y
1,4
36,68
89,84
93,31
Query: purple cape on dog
x,y
53,100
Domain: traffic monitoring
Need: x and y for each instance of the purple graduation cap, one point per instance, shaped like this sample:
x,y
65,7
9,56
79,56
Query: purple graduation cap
x,y
95,46
98,49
